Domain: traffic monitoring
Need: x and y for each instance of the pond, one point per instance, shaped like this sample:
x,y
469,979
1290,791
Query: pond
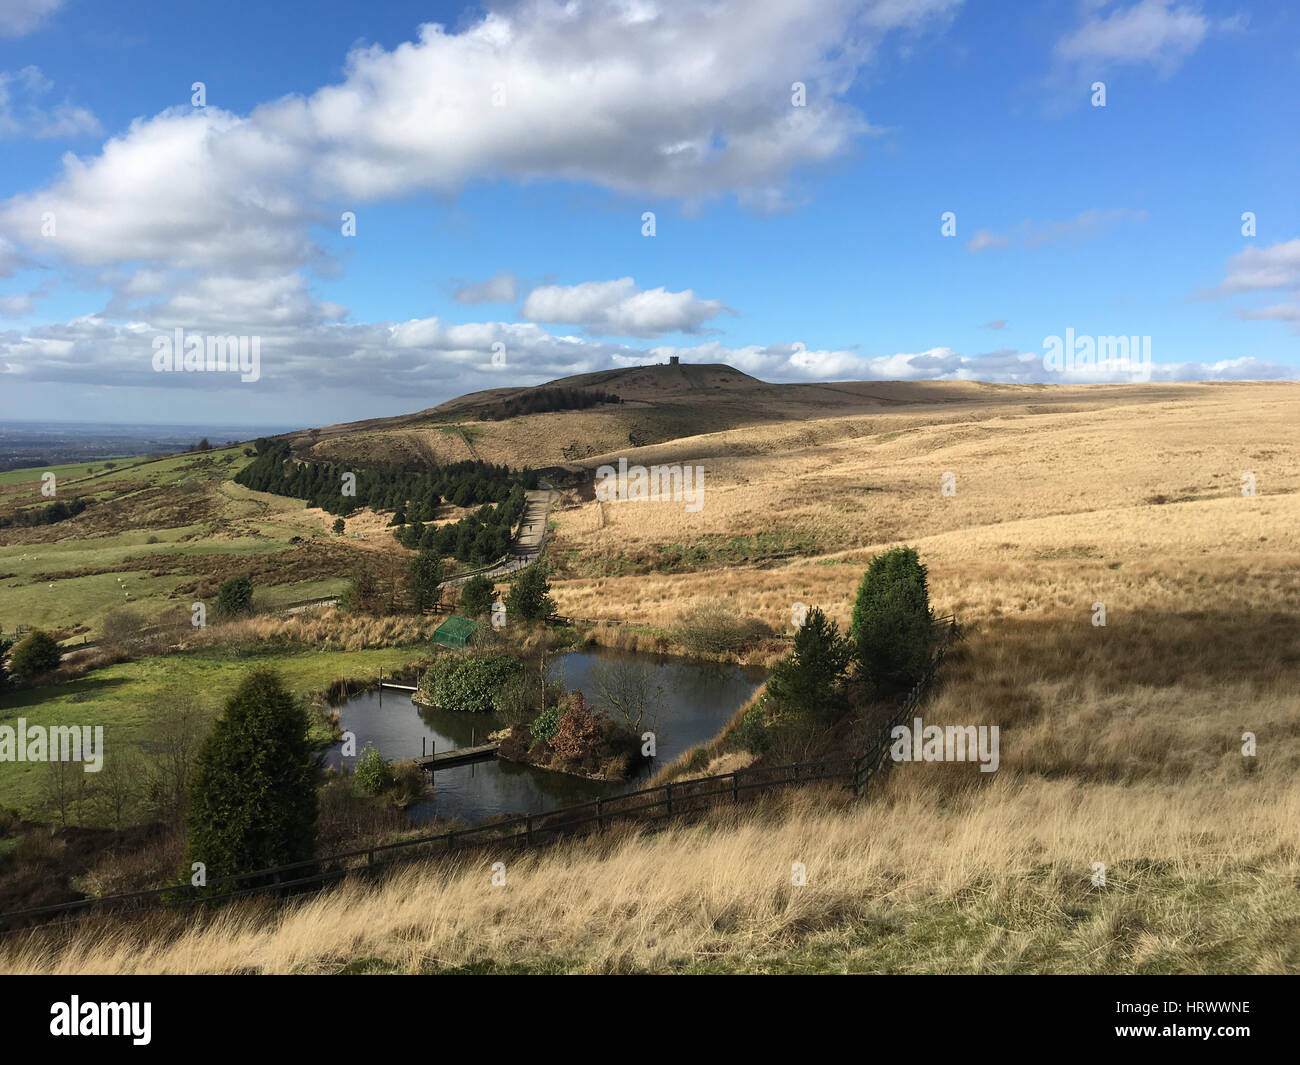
x,y
695,700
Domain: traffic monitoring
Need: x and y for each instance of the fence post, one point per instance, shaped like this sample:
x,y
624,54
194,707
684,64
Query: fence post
x,y
735,786
528,831
600,817
669,790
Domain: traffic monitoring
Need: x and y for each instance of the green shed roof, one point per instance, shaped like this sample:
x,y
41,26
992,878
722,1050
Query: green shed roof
x,y
455,631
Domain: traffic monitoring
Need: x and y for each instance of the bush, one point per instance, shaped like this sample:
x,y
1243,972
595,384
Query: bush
x,y
338,526
373,772
476,596
469,683
121,628
752,734
36,654
363,595
892,628
577,732
5,644
252,801
235,597
544,724
713,627
529,598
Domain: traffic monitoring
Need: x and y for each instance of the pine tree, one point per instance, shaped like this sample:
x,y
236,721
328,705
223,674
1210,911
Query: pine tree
x,y
809,680
892,621
252,800
529,598
425,575
476,597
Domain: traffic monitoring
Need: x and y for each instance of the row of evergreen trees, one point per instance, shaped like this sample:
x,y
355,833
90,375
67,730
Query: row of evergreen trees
x,y
50,514
538,400
416,492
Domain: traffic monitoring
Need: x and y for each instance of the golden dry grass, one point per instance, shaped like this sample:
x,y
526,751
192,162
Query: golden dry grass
x,y
1052,510
1198,879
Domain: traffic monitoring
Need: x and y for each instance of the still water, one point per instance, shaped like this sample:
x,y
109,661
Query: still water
x,y
694,701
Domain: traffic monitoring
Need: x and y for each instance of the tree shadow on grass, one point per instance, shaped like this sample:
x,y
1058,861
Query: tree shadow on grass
x,y
80,690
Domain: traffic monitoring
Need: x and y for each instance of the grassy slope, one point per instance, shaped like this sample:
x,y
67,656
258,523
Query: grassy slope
x,y
142,503
128,697
994,882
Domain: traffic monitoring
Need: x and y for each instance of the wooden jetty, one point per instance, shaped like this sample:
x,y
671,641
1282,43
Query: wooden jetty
x,y
459,756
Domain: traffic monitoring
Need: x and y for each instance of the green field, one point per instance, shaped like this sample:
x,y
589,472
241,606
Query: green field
x,y
128,698
129,528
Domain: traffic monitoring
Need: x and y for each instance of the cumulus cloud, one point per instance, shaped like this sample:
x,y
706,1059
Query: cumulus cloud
x,y
221,304
20,17
677,101
23,112
1160,32
188,190
500,288
620,308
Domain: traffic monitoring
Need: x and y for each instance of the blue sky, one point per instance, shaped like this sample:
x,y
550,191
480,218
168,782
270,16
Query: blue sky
x,y
499,160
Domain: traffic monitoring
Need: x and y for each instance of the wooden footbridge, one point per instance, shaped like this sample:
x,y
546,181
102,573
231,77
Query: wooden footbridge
x,y
457,756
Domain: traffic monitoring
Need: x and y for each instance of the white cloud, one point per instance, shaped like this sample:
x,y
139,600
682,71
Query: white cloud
x,y
985,238
675,100
1267,269
11,259
500,288
620,308
22,113
1160,32
20,17
1255,269
18,304
189,189
678,101
229,304
420,362
1084,226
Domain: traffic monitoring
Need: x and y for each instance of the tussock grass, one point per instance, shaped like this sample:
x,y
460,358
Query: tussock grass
x,y
994,880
